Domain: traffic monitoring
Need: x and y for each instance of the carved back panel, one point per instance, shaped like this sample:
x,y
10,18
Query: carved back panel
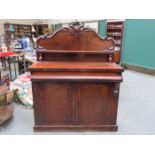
x,y
74,38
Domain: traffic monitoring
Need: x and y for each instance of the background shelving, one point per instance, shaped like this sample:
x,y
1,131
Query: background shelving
x,y
114,29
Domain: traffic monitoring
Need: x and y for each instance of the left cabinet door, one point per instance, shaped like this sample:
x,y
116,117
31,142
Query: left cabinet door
x,y
53,103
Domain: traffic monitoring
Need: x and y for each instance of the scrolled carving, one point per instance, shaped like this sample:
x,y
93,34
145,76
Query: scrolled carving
x,y
111,39
74,27
76,37
38,46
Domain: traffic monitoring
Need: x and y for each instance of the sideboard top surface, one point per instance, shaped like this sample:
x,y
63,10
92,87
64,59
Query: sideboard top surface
x,y
70,66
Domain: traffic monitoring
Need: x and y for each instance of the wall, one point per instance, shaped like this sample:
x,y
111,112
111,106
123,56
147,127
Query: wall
x,y
1,29
56,27
101,25
102,28
21,21
139,43
58,21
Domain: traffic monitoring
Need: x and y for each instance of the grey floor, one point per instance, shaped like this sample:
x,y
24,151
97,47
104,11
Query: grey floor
x,y
136,113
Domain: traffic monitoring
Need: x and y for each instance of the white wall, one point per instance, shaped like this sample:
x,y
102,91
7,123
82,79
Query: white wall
x,y
20,21
38,21
57,21
41,21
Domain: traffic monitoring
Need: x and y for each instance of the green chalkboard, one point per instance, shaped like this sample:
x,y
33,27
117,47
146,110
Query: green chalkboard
x,y
56,27
102,28
139,43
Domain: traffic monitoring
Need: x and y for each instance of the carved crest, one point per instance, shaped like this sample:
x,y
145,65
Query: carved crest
x,y
75,37
75,27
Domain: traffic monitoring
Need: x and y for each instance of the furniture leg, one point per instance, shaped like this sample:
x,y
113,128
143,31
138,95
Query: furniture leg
x,y
18,65
9,68
3,63
0,75
15,69
24,63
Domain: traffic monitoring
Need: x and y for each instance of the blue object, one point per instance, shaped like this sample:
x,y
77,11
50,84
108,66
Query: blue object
x,y
23,42
28,49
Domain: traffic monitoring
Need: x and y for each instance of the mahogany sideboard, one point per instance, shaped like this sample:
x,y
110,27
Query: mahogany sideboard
x,y
75,81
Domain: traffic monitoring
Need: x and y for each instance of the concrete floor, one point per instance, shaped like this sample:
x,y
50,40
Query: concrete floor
x,y
136,113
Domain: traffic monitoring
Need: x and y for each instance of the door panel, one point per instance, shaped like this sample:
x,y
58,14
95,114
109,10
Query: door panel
x,y
96,104
56,103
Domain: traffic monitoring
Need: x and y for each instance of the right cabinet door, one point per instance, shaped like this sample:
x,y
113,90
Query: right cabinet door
x,y
97,105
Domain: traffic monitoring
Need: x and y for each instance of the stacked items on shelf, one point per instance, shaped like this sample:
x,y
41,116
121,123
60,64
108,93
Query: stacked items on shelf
x,y
13,31
115,30
115,27
25,30
18,30
39,29
112,34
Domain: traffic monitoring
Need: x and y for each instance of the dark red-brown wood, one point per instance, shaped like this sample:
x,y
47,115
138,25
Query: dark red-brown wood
x,y
114,29
75,81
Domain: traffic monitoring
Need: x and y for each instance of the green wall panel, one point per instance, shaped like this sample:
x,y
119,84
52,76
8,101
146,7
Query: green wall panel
x,y
102,28
58,26
139,43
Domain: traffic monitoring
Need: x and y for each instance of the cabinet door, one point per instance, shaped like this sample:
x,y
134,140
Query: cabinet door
x,y
53,103
97,104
